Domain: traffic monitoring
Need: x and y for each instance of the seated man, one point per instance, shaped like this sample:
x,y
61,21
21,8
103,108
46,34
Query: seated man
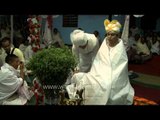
x,y
9,49
14,90
143,50
107,82
57,38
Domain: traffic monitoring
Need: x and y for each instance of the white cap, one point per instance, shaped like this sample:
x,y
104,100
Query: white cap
x,y
78,38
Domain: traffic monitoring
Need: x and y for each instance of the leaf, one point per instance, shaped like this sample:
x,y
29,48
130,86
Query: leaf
x,y
52,65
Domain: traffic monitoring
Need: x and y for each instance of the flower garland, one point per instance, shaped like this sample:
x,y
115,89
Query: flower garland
x,y
34,28
143,101
38,92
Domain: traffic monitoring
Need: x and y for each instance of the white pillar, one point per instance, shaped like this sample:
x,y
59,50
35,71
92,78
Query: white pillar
x,y
125,32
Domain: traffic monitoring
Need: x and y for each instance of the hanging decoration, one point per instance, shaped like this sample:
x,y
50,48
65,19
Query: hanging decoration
x,y
34,29
48,34
49,19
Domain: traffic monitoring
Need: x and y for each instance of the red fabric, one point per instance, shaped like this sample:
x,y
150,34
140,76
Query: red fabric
x,y
151,67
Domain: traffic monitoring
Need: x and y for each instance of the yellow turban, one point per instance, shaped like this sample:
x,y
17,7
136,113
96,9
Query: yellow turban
x,y
114,25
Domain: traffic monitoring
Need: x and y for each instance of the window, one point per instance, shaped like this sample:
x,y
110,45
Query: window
x,y
70,20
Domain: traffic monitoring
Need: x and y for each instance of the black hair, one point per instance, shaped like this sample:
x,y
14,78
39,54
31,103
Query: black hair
x,y
80,28
6,39
10,58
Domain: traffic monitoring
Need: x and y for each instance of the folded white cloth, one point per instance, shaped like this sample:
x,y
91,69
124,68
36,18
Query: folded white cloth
x,y
71,90
25,92
18,101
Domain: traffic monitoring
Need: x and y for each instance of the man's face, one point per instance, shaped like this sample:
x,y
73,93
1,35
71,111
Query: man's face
x,y
15,63
112,36
6,46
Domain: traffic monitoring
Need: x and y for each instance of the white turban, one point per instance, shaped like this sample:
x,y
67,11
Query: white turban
x,y
78,38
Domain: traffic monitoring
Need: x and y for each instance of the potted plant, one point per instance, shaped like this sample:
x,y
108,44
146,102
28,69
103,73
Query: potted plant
x,y
52,66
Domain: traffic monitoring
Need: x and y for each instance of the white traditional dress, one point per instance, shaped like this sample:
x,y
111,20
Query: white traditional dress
x,y
86,56
12,92
107,82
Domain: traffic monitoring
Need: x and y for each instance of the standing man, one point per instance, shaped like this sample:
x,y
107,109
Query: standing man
x,y
107,83
85,47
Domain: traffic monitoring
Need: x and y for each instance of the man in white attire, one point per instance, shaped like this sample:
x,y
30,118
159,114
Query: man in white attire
x,y
85,47
14,89
107,83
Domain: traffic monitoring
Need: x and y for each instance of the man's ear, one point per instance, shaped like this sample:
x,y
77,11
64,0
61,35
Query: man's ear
x,y
10,63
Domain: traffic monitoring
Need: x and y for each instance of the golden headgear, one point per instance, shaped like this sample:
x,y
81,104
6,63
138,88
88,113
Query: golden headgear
x,y
114,25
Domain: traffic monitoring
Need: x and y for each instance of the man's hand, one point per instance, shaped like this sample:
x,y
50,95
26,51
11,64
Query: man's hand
x,y
76,71
21,66
22,70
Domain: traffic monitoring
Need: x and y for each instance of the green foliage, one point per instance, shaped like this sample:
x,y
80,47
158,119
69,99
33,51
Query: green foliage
x,y
53,65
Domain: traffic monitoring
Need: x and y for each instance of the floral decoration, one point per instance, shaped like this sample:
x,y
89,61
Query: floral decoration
x,y
143,101
34,28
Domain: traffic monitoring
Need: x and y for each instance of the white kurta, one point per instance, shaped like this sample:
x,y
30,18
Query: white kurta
x,y
28,53
1,57
86,56
10,83
155,48
107,82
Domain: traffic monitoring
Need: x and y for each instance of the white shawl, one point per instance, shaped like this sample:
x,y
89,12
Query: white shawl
x,y
10,83
107,82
